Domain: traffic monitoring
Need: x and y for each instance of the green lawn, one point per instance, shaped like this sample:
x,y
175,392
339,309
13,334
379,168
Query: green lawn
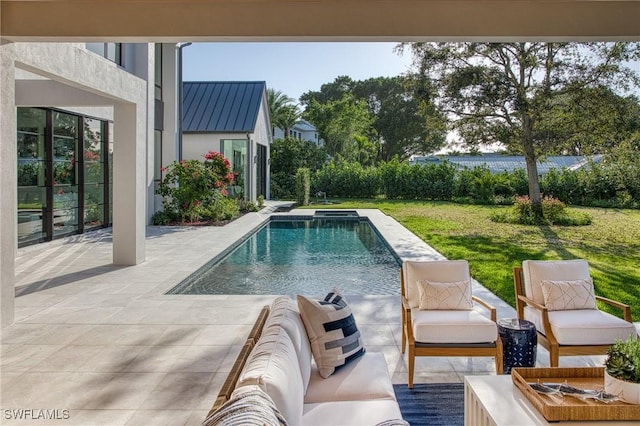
x,y
611,244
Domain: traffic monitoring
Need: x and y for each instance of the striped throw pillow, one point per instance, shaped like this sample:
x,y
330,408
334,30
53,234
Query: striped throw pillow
x,y
332,330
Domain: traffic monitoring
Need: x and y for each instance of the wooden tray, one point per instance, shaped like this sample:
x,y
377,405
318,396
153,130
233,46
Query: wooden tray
x,y
556,408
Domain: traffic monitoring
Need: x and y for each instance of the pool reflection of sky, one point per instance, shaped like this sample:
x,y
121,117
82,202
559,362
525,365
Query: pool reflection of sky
x,y
303,257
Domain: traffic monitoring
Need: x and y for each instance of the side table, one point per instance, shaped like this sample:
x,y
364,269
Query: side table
x,y
519,343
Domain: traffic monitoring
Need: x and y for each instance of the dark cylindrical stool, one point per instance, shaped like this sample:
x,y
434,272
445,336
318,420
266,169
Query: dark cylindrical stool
x,y
519,343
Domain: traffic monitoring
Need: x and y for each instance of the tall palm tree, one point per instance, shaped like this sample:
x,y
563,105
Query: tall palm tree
x,y
284,112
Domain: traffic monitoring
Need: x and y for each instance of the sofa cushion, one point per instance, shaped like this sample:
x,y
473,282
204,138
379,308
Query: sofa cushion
x,y
368,412
454,295
284,313
365,378
563,295
272,365
436,270
583,326
332,330
452,327
248,405
534,271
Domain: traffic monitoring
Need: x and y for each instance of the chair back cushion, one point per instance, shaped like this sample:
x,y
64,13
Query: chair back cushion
x,y
534,271
443,271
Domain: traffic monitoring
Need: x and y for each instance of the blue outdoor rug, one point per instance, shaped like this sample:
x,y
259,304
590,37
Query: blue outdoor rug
x,y
433,404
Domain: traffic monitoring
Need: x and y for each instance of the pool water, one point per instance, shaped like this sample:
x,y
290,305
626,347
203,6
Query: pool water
x,y
302,257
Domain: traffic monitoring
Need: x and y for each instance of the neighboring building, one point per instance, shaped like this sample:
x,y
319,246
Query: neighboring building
x,y
302,130
231,117
497,163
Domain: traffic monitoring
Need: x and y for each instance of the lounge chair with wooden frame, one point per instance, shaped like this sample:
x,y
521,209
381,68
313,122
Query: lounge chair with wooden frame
x,y
544,288
442,328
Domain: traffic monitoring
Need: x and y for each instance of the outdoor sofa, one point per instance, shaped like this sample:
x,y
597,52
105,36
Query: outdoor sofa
x,y
277,360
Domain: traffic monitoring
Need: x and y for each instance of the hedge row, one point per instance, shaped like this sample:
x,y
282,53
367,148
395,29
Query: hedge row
x,y
602,185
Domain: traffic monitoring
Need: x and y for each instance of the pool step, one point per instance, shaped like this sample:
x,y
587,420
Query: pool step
x,y
335,213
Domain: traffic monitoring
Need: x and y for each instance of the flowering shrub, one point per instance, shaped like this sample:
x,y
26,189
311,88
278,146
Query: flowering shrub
x,y
191,188
554,212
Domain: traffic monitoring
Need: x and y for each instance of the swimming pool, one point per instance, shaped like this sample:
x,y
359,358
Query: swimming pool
x,y
302,256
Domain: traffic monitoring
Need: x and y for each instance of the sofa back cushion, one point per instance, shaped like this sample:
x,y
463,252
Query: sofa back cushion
x,y
534,271
443,271
284,313
273,366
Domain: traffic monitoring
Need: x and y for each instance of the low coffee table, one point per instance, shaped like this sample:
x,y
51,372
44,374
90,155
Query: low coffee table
x,y
519,343
495,401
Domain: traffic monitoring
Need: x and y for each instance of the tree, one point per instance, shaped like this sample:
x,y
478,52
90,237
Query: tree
x,y
346,127
404,125
284,113
590,121
287,156
500,92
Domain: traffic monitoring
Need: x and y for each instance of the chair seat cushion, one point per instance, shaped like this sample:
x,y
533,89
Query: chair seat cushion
x,y
583,326
452,327
365,378
369,412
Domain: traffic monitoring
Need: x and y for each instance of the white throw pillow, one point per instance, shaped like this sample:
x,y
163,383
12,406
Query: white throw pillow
x,y
332,330
566,295
454,295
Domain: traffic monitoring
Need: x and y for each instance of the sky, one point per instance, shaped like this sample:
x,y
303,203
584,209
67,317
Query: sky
x,y
292,68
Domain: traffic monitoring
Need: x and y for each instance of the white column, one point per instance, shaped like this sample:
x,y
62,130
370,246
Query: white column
x,y
129,183
8,185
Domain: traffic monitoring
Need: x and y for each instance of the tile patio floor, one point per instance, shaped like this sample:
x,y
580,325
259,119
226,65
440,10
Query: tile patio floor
x,y
106,344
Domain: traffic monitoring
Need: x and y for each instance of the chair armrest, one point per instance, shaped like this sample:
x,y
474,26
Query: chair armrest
x,y
545,318
626,309
489,307
407,321
531,303
405,304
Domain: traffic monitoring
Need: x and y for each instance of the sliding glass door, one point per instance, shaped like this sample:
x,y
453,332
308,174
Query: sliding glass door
x,y
62,174
236,151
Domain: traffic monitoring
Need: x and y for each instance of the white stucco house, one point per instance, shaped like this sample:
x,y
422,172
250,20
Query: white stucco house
x,y
85,131
230,117
302,130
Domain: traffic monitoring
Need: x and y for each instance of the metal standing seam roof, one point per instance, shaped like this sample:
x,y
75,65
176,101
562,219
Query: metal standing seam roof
x,y
221,106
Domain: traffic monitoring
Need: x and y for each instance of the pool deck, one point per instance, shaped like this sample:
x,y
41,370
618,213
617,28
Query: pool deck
x,y
105,343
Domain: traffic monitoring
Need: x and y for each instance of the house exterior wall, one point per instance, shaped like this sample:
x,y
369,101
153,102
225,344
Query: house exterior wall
x,y
69,77
299,133
262,136
195,145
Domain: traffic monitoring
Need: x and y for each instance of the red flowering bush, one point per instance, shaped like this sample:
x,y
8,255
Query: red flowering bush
x,y
192,188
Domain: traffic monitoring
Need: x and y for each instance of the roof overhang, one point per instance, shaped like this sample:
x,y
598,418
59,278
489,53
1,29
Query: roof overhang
x,y
319,20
